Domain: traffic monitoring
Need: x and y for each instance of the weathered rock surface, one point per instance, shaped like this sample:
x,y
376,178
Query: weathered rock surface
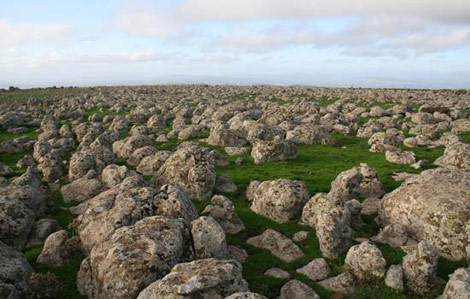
x,y
208,278
295,289
318,269
53,253
394,277
208,238
190,168
279,200
15,274
458,286
420,268
133,257
331,221
276,150
223,211
358,182
344,283
278,244
433,206
455,156
365,262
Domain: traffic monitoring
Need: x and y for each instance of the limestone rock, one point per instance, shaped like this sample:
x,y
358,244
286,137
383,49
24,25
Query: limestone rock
x,y
208,278
317,269
365,262
458,286
279,200
295,289
53,253
190,168
419,268
135,256
394,277
331,221
208,238
223,211
433,206
276,150
278,244
358,182
277,273
344,283
15,274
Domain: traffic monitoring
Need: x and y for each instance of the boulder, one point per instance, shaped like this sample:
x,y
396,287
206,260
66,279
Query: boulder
x,y
53,253
295,289
190,168
343,283
458,286
276,150
208,238
81,190
172,202
15,273
355,183
41,230
394,277
278,244
456,155
246,295
113,175
332,223
433,206
151,164
318,269
420,268
400,157
279,200
207,278
133,257
308,134
223,211
277,273
365,262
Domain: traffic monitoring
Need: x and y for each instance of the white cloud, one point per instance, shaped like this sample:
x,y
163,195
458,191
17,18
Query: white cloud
x,y
12,34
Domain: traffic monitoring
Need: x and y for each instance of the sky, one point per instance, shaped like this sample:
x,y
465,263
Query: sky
x,y
343,43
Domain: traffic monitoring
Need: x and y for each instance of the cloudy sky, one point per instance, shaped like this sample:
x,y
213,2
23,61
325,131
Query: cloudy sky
x,y
368,43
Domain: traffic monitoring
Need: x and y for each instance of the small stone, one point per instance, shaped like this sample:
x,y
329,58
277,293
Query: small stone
x,y
344,283
277,273
295,289
394,277
300,236
317,269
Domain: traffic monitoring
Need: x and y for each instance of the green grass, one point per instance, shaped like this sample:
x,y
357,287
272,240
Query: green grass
x,y
465,137
5,136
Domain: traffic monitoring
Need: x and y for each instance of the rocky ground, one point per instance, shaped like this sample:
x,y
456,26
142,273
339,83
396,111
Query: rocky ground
x,y
234,192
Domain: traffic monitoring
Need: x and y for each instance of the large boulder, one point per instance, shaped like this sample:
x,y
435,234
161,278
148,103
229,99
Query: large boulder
x,y
151,164
331,220
355,183
433,206
279,200
133,257
53,252
190,168
208,278
15,274
276,150
172,202
121,206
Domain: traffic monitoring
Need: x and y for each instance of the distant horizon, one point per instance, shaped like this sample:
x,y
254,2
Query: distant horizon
x,y
364,43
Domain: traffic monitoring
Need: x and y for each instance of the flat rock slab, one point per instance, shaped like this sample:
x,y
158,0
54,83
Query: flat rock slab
x,y
278,244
